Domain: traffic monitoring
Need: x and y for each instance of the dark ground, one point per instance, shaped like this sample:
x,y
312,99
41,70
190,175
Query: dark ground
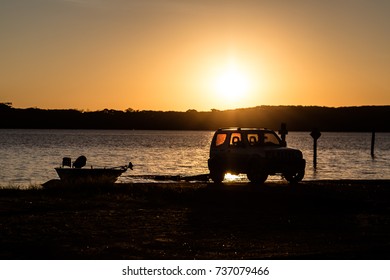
x,y
313,220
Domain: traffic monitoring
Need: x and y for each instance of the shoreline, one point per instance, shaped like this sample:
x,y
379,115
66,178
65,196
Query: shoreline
x,y
325,219
186,180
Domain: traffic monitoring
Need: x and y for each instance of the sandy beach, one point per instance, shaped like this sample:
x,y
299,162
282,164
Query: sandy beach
x,y
340,219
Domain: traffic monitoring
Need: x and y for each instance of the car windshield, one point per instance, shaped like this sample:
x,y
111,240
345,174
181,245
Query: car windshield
x,y
271,139
262,138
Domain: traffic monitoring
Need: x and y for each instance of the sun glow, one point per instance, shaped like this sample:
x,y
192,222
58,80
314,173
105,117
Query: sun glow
x,y
232,83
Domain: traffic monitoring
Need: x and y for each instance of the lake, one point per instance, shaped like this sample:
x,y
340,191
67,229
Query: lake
x,y
28,157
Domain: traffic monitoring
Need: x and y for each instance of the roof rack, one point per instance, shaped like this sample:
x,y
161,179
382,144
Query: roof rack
x,y
242,128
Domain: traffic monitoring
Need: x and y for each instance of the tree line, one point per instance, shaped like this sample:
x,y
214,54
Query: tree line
x,y
297,118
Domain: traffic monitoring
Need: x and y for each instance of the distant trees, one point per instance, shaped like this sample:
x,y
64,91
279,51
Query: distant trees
x,y
298,118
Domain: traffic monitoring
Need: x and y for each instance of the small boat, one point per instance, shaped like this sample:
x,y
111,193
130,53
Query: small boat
x,y
75,173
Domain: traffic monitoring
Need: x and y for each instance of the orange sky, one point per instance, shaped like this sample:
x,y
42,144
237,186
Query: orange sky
x,y
194,54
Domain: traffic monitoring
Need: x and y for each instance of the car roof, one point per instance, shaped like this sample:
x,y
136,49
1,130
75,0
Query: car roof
x,y
230,129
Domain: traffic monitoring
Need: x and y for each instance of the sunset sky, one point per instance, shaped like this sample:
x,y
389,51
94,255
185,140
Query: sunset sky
x,y
193,54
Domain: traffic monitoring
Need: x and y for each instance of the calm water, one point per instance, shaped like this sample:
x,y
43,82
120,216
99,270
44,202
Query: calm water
x,y
29,156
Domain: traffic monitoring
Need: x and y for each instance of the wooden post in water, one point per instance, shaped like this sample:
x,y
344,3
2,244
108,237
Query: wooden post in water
x,y
283,132
315,134
373,144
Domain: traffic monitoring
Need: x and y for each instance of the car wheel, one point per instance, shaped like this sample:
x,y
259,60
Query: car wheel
x,y
259,177
256,173
294,177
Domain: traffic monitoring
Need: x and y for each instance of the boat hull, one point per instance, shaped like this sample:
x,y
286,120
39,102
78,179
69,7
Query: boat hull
x,y
85,175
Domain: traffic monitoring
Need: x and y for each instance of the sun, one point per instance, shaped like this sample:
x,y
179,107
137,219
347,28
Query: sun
x,y
232,84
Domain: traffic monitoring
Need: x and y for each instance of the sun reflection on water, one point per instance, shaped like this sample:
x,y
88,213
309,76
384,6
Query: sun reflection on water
x,y
231,177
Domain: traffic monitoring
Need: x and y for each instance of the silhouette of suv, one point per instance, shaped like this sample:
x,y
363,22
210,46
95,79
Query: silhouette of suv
x,y
255,152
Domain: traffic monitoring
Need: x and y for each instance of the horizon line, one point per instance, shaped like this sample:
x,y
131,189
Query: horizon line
x,y
9,104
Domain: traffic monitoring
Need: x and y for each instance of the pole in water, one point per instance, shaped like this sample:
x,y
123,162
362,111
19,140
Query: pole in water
x,y
373,144
315,134
283,132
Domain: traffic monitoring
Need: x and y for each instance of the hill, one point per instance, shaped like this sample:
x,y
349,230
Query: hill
x,y
298,118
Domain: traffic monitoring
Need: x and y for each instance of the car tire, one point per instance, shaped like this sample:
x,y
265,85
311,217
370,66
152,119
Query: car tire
x,y
294,177
256,173
257,177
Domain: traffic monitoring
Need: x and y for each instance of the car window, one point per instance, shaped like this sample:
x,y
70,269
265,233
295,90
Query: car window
x,y
220,139
271,139
253,139
235,139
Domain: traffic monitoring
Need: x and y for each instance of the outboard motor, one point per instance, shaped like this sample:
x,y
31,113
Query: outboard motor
x,y
66,161
80,162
